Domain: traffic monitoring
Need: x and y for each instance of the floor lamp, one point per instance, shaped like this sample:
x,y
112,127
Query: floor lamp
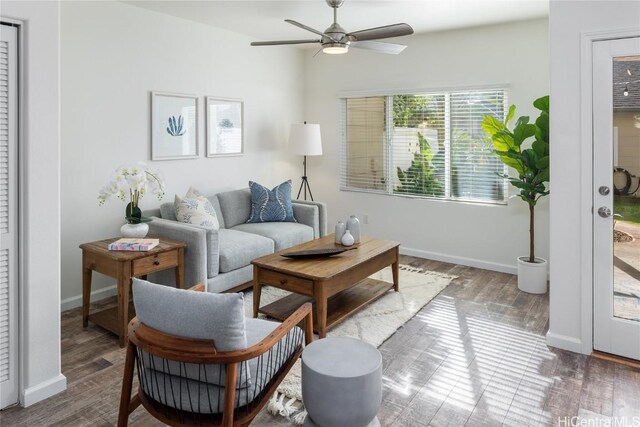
x,y
304,140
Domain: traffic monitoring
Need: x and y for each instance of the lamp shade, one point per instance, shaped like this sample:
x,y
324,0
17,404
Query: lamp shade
x,y
304,139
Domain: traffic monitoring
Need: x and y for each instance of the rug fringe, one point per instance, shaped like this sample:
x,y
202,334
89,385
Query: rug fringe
x,y
277,406
299,418
411,269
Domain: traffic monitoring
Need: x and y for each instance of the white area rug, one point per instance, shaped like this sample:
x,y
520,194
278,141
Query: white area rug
x,y
373,324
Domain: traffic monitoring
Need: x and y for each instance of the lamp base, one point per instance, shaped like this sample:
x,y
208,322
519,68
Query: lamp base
x,y
304,187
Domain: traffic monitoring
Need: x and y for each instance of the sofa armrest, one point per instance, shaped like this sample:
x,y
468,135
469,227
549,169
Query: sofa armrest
x,y
322,214
196,256
308,215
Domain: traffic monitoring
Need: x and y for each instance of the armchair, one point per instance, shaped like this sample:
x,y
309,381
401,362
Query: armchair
x,y
190,381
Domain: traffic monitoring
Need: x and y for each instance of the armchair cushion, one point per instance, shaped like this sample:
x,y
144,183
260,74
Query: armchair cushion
x,y
237,249
203,315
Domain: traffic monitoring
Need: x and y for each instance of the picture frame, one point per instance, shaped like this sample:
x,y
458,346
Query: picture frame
x,y
174,126
225,126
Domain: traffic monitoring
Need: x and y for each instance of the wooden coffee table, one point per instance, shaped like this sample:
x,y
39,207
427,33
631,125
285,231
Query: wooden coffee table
x,y
338,286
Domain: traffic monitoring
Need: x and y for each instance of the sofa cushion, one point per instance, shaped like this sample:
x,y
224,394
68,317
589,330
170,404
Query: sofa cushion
x,y
283,234
235,206
196,209
237,248
271,205
168,210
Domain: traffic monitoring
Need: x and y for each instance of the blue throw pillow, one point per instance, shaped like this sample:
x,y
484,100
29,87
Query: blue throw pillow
x,y
271,205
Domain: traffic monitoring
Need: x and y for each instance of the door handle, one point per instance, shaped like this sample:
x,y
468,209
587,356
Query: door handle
x,y
604,212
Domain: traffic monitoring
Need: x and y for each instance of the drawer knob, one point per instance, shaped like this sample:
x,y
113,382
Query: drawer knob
x,y
156,262
283,281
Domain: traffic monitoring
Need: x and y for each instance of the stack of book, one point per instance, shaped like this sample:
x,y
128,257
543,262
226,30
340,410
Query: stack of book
x,y
134,244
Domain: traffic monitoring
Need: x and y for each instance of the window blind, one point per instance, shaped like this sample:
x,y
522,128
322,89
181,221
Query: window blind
x,y
427,145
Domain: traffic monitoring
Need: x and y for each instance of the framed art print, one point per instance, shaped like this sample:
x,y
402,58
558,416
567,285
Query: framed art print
x,y
174,126
224,127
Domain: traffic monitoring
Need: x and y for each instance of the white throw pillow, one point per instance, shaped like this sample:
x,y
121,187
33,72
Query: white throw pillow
x,y
196,209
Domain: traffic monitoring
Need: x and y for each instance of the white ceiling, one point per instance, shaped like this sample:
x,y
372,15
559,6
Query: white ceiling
x,y
264,20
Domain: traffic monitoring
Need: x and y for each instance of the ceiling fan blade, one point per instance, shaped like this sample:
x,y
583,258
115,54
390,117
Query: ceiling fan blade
x,y
304,27
279,42
387,31
390,48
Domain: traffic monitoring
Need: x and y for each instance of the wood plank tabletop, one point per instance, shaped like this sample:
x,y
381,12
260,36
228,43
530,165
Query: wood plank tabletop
x,y
324,268
102,247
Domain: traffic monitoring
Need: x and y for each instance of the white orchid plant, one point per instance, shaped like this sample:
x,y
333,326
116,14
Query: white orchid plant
x,y
132,183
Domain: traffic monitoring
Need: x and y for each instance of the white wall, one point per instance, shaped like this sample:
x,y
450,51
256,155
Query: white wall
x,y
113,55
489,236
40,374
570,225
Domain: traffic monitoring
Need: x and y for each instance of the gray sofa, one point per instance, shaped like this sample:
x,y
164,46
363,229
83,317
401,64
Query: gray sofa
x,y
221,259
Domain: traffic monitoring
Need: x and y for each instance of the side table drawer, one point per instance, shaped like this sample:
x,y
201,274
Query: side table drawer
x,y
286,282
156,262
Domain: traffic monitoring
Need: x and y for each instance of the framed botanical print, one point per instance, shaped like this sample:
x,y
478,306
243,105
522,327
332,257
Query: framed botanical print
x,y
224,127
174,126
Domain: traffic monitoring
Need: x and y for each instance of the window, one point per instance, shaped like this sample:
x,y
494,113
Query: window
x,y
428,145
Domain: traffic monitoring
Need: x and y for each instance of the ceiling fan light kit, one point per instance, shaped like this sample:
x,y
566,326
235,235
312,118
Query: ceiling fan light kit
x,y
335,40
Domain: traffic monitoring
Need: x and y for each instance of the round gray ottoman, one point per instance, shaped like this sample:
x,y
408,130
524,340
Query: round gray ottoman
x,y
341,383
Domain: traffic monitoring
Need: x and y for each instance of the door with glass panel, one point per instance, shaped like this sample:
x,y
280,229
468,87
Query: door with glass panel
x,y
616,196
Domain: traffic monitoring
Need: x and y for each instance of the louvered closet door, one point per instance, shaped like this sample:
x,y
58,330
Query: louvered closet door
x,y
8,216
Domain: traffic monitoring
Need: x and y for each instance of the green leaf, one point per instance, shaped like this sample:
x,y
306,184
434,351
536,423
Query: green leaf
x,y
510,114
543,162
491,125
522,120
542,104
522,132
543,175
541,148
512,163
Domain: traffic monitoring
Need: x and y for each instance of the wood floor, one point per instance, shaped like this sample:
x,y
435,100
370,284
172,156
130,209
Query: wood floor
x,y
474,356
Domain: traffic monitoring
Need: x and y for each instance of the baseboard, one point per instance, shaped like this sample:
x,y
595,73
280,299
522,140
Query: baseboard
x,y
469,262
73,302
43,390
564,342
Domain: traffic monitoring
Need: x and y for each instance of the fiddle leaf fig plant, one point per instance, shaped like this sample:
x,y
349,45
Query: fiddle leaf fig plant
x,y
531,164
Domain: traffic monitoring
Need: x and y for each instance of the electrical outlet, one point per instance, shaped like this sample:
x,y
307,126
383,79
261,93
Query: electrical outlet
x,y
365,218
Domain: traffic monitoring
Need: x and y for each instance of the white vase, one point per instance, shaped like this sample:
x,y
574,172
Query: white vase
x,y
347,238
340,229
135,230
353,225
532,276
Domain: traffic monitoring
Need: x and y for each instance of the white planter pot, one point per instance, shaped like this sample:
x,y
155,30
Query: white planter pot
x,y
532,276
135,230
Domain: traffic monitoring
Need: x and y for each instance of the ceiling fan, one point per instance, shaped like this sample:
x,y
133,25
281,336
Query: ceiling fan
x,y
335,40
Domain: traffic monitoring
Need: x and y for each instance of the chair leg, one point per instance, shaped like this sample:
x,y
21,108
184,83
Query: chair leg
x,y
127,382
229,395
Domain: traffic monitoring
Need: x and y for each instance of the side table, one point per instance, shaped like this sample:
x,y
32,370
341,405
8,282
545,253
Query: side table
x,y
123,266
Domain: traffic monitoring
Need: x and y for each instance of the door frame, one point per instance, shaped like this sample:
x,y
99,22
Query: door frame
x,y
586,176
20,27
